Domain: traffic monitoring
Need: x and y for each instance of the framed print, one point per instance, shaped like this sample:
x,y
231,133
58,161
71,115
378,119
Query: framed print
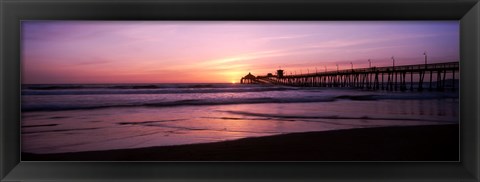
x,y
218,90
128,91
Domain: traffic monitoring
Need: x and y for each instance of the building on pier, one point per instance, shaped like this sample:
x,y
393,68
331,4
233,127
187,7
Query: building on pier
x,y
249,78
280,73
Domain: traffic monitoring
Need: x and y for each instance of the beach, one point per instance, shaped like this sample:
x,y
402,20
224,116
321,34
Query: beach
x,y
266,122
407,143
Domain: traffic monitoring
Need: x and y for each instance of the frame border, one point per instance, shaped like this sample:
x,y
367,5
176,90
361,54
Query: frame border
x,y
13,11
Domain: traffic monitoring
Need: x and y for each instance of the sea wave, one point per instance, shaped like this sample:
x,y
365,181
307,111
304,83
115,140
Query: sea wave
x,y
330,117
186,102
129,86
145,90
225,101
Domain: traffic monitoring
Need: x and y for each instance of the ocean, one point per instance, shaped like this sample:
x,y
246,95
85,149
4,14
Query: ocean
x,y
58,118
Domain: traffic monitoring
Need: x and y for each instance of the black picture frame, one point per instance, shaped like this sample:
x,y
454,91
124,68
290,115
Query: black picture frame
x,y
14,11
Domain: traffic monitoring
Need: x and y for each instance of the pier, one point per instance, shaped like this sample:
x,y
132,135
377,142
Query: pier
x,y
392,78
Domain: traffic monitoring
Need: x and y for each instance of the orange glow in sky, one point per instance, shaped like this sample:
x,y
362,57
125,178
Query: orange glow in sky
x,y
221,52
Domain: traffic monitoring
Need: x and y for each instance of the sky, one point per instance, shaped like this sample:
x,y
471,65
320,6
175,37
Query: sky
x,y
75,52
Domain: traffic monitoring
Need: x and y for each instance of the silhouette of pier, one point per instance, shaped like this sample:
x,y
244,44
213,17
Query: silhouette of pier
x,y
437,76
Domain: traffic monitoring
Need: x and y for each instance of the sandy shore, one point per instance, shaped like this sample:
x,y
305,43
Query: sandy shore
x,y
408,143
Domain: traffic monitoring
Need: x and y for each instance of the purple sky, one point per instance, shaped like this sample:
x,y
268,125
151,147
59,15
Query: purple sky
x,y
222,51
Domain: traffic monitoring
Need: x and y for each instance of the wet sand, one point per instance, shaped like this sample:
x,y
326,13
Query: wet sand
x,y
405,143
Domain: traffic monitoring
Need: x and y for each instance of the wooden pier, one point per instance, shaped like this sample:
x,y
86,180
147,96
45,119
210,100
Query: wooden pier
x,y
392,78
